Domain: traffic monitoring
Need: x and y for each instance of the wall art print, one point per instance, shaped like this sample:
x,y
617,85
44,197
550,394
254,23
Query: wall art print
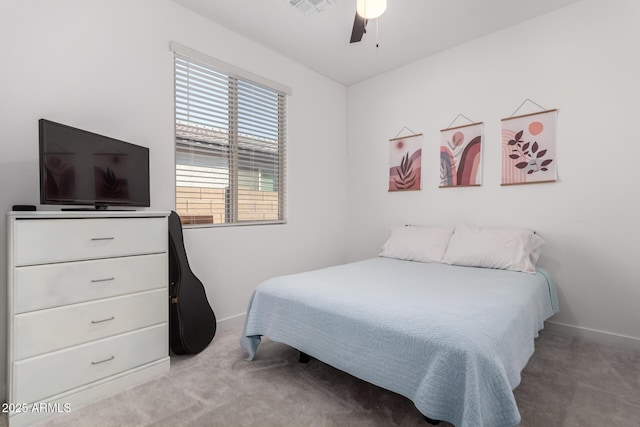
x,y
405,163
529,148
461,156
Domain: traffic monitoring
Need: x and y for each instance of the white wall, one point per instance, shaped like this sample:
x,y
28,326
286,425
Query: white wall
x,y
106,66
584,60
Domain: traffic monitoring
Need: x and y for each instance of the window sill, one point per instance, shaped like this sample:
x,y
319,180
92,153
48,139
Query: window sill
x,y
233,224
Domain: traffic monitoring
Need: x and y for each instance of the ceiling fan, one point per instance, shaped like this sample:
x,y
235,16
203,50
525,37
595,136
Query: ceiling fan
x,y
365,10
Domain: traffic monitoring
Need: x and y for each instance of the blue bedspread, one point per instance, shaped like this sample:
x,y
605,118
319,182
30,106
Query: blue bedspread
x,y
452,339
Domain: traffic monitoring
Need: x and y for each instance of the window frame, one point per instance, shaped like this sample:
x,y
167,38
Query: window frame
x,y
235,166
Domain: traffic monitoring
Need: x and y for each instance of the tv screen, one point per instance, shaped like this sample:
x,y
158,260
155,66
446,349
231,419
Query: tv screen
x,y
83,168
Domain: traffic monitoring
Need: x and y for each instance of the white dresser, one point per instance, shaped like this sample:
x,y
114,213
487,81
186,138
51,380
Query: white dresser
x,y
87,307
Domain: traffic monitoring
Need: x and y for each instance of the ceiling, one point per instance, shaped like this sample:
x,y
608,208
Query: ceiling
x,y
408,30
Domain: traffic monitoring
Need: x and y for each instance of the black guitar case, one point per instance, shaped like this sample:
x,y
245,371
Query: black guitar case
x,y
192,323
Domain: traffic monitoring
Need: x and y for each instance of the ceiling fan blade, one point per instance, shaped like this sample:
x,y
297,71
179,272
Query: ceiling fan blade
x,y
359,28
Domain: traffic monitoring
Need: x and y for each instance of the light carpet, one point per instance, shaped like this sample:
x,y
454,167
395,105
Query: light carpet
x,y
568,382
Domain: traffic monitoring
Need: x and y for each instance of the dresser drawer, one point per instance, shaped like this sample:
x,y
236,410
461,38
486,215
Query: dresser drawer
x,y
51,285
43,376
53,329
59,240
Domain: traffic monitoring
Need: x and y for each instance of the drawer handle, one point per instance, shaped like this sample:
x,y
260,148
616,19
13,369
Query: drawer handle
x,y
108,279
102,238
102,361
103,320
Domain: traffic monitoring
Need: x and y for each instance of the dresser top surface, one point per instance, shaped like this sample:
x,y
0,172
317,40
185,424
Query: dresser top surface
x,y
85,214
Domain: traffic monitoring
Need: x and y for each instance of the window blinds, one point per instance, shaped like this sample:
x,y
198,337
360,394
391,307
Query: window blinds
x,y
230,146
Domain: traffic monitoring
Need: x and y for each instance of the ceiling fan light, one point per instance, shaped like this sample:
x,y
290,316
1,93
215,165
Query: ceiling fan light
x,y
370,9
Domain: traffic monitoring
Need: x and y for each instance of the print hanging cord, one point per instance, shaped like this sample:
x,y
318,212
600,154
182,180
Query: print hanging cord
x,y
402,130
524,102
457,117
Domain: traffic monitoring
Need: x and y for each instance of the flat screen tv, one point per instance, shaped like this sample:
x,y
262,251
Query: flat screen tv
x,y
78,167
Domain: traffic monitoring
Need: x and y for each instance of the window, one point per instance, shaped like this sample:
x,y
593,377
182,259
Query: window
x,y
230,134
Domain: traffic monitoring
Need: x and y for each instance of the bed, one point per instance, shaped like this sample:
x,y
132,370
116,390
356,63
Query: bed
x,y
451,338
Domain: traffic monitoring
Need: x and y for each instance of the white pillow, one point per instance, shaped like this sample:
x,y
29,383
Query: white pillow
x,y
424,244
502,248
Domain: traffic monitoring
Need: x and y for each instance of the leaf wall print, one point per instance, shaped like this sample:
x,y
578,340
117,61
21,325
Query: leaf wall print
x,y
405,163
529,148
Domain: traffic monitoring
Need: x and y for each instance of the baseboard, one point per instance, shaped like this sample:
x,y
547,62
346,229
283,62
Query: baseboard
x,y
594,335
231,322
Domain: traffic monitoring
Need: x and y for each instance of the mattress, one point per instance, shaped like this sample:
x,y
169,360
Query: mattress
x,y
452,339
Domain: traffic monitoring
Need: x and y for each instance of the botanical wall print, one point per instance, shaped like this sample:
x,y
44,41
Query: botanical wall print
x,y
529,148
405,163
461,156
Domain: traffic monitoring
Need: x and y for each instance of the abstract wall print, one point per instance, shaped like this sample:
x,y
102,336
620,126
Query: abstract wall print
x,y
405,163
461,156
529,148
